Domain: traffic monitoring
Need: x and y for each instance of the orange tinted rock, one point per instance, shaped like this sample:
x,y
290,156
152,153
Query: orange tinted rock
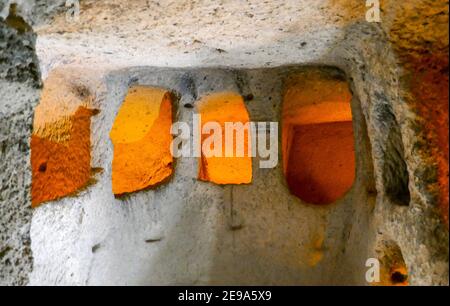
x,y
393,270
64,92
430,87
62,168
314,98
61,141
321,168
141,137
316,249
222,108
419,34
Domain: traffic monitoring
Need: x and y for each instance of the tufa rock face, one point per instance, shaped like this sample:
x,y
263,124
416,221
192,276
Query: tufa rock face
x,y
18,60
418,33
19,92
61,141
396,211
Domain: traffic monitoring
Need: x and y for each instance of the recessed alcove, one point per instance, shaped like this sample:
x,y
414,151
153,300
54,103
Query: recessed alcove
x,y
229,161
222,221
393,269
317,137
141,138
395,169
61,140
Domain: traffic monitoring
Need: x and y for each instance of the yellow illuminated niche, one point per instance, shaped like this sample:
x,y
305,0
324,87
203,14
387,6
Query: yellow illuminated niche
x,y
141,138
221,108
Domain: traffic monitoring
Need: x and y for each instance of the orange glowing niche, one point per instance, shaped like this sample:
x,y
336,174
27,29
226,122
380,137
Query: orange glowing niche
x,y
60,143
221,108
142,139
317,139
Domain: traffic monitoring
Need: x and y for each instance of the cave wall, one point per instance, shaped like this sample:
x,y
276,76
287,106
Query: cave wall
x,y
419,227
19,92
398,73
191,232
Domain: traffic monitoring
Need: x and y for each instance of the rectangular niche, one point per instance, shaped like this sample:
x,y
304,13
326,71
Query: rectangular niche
x,y
141,138
61,139
217,110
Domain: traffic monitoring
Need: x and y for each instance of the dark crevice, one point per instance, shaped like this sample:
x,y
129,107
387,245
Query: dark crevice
x,y
395,170
187,86
398,277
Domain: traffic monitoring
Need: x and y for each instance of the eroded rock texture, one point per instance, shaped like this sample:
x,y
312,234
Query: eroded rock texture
x,y
19,93
60,169
418,33
257,233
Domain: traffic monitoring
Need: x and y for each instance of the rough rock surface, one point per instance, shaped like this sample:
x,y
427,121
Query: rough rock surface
x,y
190,232
231,234
193,232
206,33
61,169
19,92
419,36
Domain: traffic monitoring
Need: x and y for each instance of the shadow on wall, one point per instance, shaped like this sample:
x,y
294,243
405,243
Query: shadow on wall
x,y
395,171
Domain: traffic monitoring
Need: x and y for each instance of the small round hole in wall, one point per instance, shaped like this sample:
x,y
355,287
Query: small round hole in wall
x,y
43,167
398,277
393,269
395,170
